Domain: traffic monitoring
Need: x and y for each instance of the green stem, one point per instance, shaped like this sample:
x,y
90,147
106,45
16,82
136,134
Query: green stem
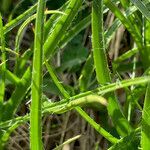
x,y
145,133
125,21
100,60
73,104
14,101
2,80
12,24
96,126
36,117
102,70
100,91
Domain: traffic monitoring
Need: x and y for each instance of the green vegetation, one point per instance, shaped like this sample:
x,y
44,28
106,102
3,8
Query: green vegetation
x,y
75,74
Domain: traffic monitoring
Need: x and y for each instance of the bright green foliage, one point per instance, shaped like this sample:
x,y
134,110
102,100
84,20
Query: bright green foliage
x,y
66,60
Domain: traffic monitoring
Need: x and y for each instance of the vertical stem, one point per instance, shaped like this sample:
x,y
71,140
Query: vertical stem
x,y
102,69
145,134
2,80
100,60
132,88
35,120
125,3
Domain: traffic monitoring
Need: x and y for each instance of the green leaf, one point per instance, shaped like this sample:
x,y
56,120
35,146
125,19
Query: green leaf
x,y
61,27
130,142
73,56
142,7
9,26
145,135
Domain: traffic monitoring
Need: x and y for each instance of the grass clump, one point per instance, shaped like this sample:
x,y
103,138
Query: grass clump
x,y
74,72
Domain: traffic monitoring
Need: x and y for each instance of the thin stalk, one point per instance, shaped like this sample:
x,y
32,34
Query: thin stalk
x,y
100,59
13,23
131,89
2,80
56,81
36,90
102,70
14,101
125,3
67,142
9,50
96,126
61,27
20,34
125,21
145,133
100,91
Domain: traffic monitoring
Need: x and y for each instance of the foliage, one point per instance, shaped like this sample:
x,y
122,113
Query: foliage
x,y
63,68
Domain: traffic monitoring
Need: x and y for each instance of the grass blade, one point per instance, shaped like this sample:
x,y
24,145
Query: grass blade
x,y
145,136
12,104
9,26
126,55
126,22
51,22
20,35
61,26
142,8
97,127
84,23
106,89
100,91
67,142
86,74
129,142
74,104
145,133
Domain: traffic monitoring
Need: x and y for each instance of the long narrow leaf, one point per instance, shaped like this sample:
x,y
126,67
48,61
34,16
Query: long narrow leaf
x,y
61,26
145,136
142,8
9,26
100,91
84,100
